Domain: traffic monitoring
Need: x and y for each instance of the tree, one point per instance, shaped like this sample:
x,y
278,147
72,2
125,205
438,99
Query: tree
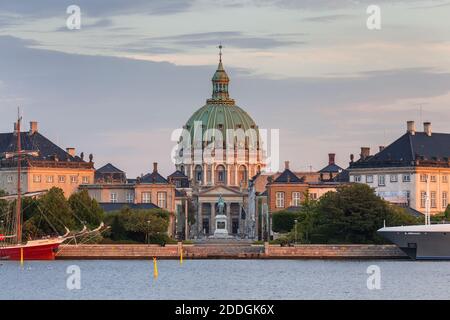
x,y
86,209
353,214
139,225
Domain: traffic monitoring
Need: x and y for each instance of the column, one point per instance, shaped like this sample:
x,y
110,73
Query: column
x,y
228,204
236,169
199,218
186,221
213,218
205,174
212,174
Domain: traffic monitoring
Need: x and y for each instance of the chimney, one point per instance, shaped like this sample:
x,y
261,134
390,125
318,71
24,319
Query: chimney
x,y
382,148
365,152
71,151
33,127
155,167
331,157
411,127
427,128
286,165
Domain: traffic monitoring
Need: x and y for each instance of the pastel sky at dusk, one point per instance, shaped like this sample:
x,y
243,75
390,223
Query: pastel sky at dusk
x,y
137,70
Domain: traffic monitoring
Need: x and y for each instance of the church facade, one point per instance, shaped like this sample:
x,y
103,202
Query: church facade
x,y
219,151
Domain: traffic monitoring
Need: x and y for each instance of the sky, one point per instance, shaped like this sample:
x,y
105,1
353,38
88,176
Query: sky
x,y
137,70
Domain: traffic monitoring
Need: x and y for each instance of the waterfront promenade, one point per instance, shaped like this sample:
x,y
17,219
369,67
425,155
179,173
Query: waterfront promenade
x,y
229,251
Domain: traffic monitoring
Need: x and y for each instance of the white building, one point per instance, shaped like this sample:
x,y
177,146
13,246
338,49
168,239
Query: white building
x,y
413,168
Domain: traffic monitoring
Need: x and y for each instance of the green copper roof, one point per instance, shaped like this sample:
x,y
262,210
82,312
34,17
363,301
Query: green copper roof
x,y
220,112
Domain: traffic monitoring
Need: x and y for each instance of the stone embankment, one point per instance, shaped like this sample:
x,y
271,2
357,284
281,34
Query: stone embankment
x,y
230,251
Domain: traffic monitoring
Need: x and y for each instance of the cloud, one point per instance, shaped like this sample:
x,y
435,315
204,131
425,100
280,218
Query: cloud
x,y
50,8
210,39
328,18
324,4
104,104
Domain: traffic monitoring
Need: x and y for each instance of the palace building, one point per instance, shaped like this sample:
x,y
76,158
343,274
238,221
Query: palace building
x,y
44,164
219,152
413,171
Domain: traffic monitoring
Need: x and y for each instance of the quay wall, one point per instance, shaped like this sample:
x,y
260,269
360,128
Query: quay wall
x,y
229,251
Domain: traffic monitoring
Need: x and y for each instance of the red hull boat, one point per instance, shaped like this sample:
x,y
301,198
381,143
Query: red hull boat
x,y
32,250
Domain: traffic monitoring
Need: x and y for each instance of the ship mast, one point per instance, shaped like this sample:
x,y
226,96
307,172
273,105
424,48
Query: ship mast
x,y
19,191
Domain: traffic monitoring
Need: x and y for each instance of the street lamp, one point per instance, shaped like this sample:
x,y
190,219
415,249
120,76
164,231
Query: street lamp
x,y
295,230
148,231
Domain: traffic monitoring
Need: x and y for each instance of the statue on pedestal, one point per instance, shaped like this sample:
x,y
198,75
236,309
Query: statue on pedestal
x,y
221,230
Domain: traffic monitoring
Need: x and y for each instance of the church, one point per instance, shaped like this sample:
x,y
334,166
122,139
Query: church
x,y
219,152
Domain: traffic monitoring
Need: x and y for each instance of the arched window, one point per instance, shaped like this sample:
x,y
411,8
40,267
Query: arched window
x,y
243,175
198,173
220,174
182,169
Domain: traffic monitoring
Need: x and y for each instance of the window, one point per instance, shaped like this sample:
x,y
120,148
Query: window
x,y
393,178
37,178
433,178
296,199
313,196
433,199
369,179
73,179
280,199
61,179
162,196
198,173
9,179
146,197
423,199
406,178
85,180
357,178
444,199
444,179
130,197
49,179
408,197
113,197
381,180
423,178
220,174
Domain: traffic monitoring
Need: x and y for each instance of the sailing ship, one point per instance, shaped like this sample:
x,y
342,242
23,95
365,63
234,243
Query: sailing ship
x,y
12,244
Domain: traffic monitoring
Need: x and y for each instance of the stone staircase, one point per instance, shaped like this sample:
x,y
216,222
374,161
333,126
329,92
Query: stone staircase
x,y
218,251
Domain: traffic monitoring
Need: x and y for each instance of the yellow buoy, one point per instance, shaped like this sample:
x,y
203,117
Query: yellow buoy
x,y
21,257
155,268
181,256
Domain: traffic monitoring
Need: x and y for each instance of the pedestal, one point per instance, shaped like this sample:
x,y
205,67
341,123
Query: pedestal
x,y
221,231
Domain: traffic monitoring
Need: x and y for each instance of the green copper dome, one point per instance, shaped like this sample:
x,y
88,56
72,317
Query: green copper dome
x,y
221,112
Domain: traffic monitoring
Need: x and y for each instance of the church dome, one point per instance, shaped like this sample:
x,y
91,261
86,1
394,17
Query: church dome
x,y
220,112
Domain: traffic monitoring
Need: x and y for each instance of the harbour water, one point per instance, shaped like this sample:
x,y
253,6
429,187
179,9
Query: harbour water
x,y
226,279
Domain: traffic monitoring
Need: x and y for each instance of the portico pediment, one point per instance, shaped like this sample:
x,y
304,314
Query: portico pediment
x,y
219,190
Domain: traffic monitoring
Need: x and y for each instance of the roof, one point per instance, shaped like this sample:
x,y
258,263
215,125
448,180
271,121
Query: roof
x,y
153,177
177,174
343,176
410,150
108,207
331,168
46,150
108,168
287,176
220,112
